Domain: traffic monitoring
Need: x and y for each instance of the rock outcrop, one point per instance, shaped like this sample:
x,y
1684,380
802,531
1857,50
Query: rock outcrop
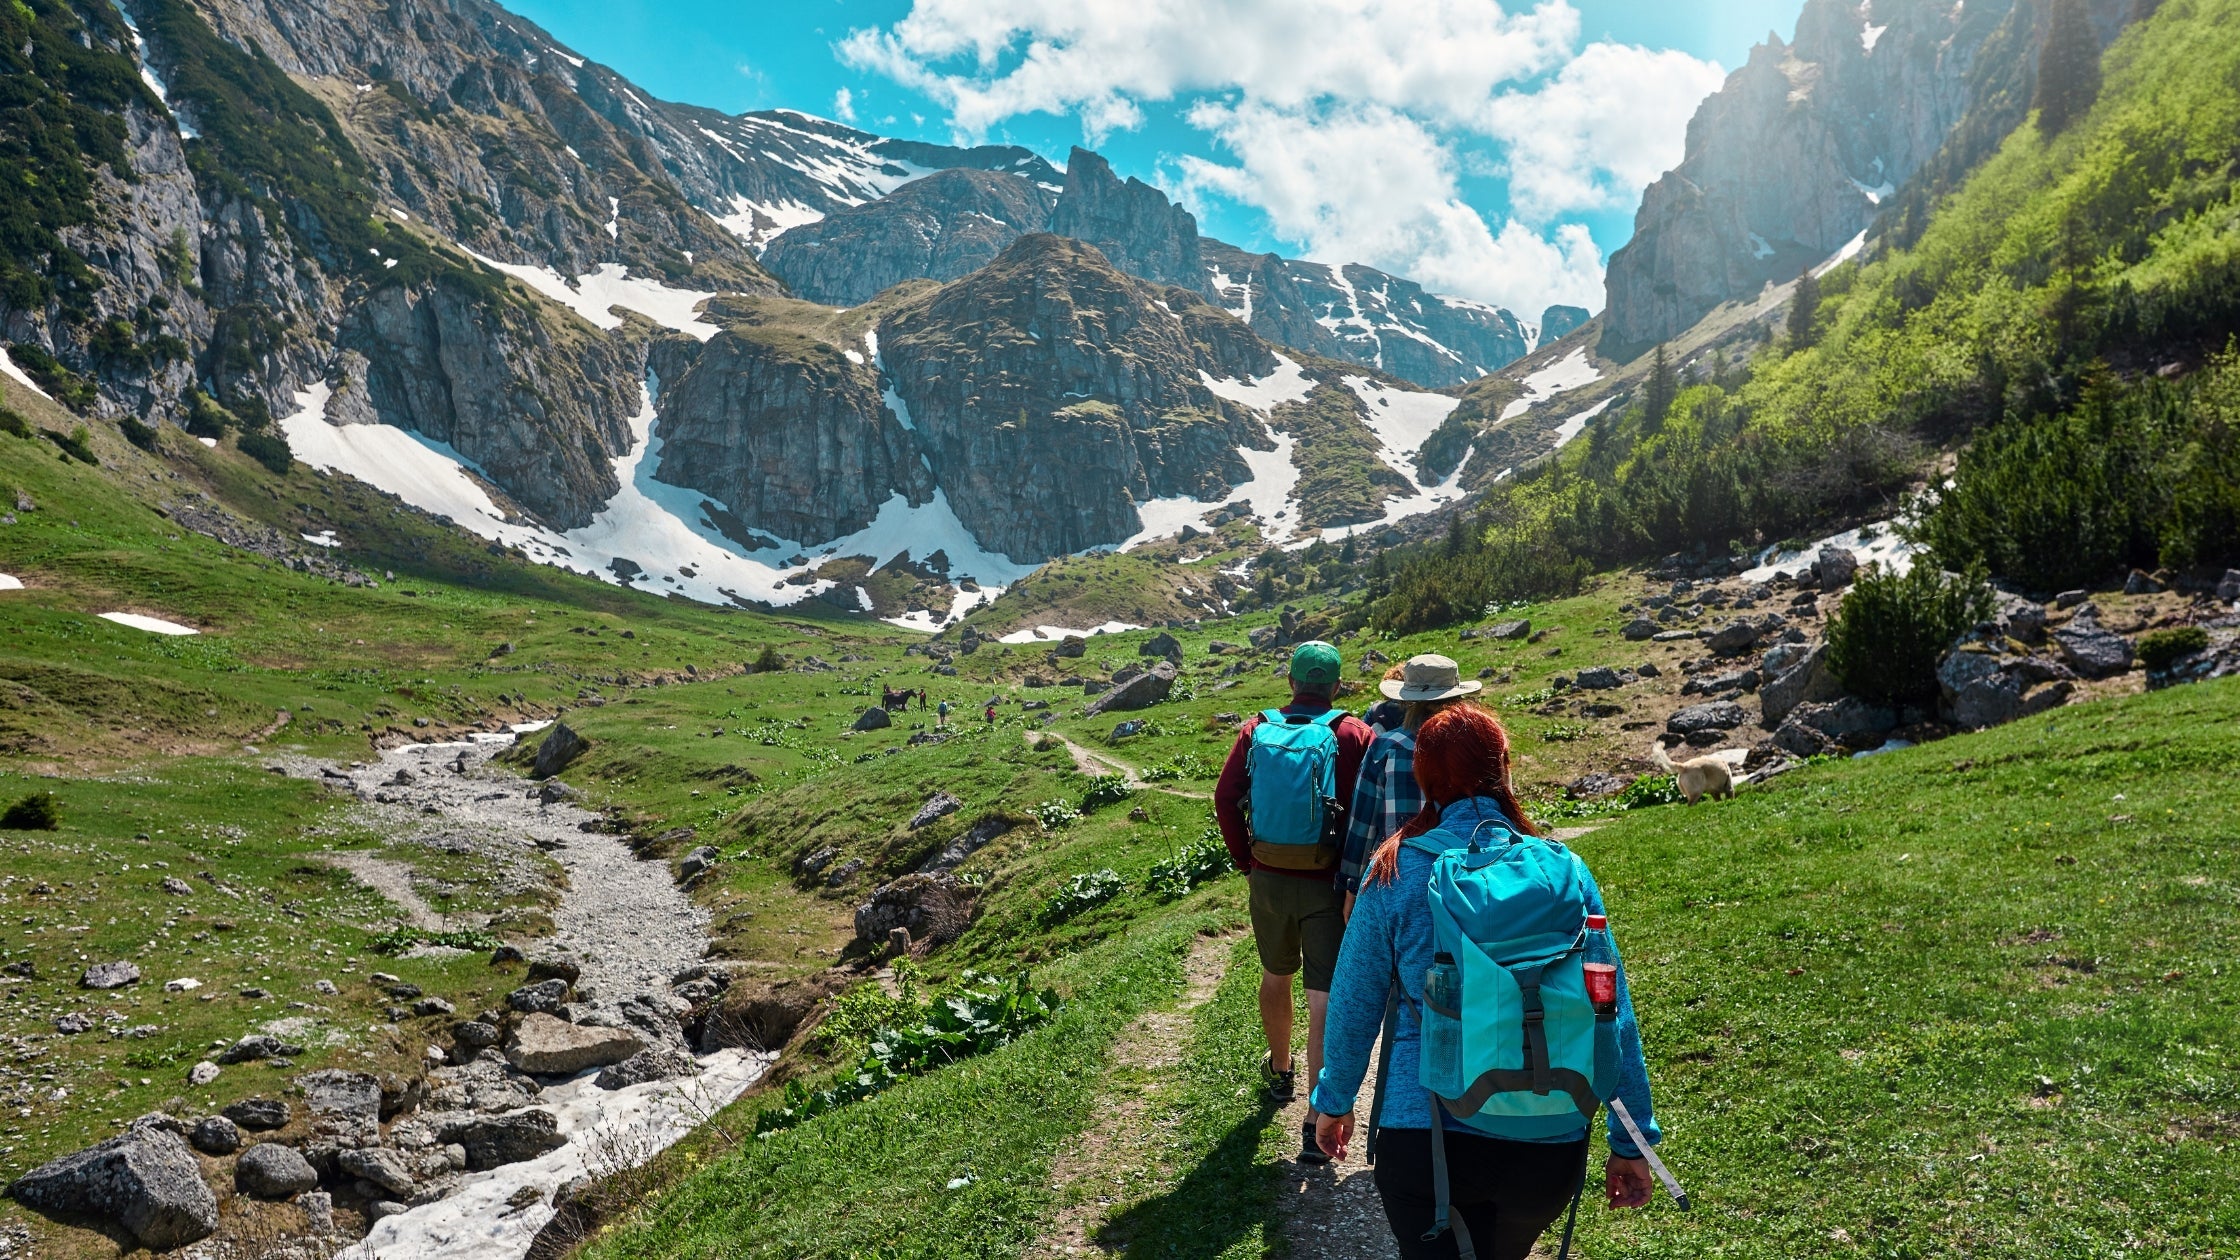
x,y
144,1180
1050,393
1131,223
937,228
1363,315
1800,150
546,1046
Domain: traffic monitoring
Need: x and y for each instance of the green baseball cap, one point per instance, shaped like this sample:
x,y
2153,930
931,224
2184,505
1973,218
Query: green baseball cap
x,y
1316,663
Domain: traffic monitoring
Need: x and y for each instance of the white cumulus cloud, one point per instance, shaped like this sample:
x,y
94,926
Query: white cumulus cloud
x,y
1345,121
1600,130
844,105
1370,184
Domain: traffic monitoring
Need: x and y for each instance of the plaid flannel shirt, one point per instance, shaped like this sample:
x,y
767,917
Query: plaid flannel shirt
x,y
1385,797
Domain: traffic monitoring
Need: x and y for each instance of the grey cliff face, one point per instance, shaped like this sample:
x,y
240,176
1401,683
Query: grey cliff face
x,y
790,434
1052,393
1132,223
533,397
1802,149
939,227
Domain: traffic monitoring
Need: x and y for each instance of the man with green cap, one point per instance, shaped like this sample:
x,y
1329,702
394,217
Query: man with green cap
x,y
1278,805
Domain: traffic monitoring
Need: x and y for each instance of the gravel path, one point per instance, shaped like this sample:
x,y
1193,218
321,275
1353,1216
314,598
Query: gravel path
x,y
623,921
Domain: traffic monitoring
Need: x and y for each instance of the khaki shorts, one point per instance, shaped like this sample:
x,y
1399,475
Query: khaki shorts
x,y
1296,919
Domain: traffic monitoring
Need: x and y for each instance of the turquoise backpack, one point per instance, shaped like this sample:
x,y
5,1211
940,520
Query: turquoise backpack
x,y
1292,767
1509,1037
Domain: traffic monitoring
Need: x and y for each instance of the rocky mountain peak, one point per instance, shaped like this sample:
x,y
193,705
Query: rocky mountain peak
x,y
1132,223
939,227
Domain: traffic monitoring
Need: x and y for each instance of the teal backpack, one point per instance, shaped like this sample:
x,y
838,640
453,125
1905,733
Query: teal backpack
x,y
1509,1036
1293,810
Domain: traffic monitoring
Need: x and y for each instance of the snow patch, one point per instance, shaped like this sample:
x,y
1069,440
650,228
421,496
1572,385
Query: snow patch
x,y
1402,419
1268,490
1570,372
16,374
1871,36
1288,383
592,296
8,583
1875,194
614,218
1849,251
324,538
1051,634
887,392
1877,543
153,625
1577,424
1758,246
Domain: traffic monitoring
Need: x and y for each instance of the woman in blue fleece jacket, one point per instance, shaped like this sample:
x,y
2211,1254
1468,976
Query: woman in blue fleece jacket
x,y
1507,1189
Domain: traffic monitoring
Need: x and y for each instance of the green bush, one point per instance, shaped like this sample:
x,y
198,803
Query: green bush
x,y
2160,649
398,940
981,1013
1200,861
207,417
1181,766
1104,789
73,444
1054,814
1081,893
270,449
1885,641
39,811
12,421
140,435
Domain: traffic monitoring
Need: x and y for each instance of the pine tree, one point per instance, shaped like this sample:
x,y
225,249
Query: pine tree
x,y
1458,539
1349,553
2068,69
1657,396
1803,310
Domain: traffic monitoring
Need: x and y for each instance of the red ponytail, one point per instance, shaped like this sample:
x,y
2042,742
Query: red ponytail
x,y
1461,752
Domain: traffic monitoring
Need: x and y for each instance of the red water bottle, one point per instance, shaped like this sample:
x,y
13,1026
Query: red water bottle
x,y
1601,966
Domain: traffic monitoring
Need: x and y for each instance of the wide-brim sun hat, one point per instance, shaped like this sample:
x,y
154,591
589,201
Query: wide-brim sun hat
x,y
1429,677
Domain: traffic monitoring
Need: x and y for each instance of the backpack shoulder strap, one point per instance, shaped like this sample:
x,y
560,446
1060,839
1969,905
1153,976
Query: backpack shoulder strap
x,y
1331,717
1274,715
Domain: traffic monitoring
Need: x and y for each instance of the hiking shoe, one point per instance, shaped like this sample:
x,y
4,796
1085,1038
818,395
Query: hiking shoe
x,y
1281,1085
1309,1152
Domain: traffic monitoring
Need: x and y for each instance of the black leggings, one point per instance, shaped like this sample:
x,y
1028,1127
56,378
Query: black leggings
x,y
1507,1193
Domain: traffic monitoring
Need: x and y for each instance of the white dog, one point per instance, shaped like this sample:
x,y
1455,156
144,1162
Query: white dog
x,y
1705,776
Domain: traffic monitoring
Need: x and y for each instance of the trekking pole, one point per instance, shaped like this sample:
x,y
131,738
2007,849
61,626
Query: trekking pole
x,y
1664,1174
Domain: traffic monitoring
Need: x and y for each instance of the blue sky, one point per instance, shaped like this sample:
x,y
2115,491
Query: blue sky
x,y
1492,151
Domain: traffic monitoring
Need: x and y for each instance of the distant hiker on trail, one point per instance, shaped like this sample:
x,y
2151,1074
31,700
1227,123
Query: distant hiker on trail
x,y
990,713
941,715
1280,802
921,699
1506,949
1388,795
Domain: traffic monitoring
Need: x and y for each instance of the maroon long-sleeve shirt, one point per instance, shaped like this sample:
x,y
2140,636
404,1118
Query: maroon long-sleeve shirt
x,y
1354,737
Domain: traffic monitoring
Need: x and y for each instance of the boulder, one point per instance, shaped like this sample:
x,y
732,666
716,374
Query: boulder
x,y
698,860
553,791
269,1170
934,907
257,1046
1733,638
956,851
545,997
2091,650
1638,629
2020,618
345,1106
561,746
379,1165
546,1046
1806,680
258,1115
1719,715
474,1034
938,806
1518,628
1073,645
494,1141
144,1179
1598,678
1834,568
1981,688
202,1074
1850,721
654,1063
2228,588
1263,637
544,969
2141,582
109,975
1162,644
1800,740
215,1135
873,719
1595,786
1138,693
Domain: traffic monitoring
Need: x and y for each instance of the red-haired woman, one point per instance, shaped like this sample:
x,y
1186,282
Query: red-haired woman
x,y
1509,1177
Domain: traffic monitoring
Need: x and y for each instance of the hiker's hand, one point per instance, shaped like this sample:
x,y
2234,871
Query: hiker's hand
x,y
1332,1133
1626,1182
